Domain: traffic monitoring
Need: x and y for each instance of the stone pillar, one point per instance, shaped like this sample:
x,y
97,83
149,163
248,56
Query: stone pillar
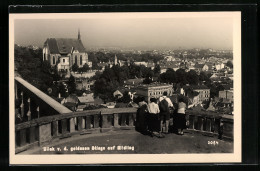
x,y
72,125
79,123
22,106
44,133
116,120
105,121
83,123
22,137
64,128
55,129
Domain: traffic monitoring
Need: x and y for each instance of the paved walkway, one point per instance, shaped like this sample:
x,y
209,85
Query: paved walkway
x,y
132,142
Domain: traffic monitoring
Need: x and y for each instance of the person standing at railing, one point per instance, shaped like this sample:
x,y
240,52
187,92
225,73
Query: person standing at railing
x,y
141,118
181,117
153,115
165,104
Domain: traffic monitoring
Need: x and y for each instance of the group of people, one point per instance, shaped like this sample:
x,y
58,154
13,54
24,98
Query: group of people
x,y
152,116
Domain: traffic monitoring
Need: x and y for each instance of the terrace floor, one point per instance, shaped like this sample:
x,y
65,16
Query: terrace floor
x,y
136,143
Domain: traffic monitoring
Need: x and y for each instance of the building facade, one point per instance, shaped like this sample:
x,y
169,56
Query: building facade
x,y
226,94
154,90
64,52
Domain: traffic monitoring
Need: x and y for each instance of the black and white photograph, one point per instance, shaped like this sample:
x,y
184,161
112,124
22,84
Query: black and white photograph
x,y
128,87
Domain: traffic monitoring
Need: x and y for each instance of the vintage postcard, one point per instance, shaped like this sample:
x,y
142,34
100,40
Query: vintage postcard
x,y
114,88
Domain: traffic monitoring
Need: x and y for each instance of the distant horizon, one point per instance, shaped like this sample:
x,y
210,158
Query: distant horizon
x,y
128,31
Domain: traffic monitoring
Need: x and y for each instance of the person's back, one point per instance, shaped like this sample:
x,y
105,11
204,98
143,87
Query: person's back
x,y
165,104
181,107
153,113
181,118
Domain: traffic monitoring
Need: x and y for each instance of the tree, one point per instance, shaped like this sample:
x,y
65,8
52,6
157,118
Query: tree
x,y
157,69
192,77
230,64
85,68
181,76
75,67
71,84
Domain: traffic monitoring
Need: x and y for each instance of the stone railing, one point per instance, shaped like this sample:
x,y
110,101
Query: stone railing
x,y
44,129
45,119
218,125
31,103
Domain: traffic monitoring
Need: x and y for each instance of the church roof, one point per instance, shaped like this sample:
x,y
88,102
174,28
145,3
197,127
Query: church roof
x,y
64,45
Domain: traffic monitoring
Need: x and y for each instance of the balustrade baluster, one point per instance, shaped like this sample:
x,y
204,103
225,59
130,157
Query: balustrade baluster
x,y
72,125
96,121
64,128
116,120
123,119
29,114
79,123
131,119
55,128
191,122
32,134
22,106
88,122
22,137
83,122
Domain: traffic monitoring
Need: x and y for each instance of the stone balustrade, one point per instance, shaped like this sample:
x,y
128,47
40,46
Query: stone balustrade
x,y
47,119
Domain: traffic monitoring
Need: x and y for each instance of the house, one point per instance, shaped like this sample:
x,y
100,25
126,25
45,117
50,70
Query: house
x,y
64,52
201,67
87,99
109,104
154,90
118,94
133,82
204,92
141,63
226,94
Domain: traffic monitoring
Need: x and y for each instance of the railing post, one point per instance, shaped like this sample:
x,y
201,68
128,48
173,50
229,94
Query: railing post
x,y
29,114
116,120
44,132
22,106
64,126
55,128
22,137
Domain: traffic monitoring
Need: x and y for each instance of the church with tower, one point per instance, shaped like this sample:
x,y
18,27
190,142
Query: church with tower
x,y
65,52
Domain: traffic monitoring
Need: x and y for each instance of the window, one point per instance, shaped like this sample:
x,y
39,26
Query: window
x,y
44,57
53,60
63,60
80,59
76,59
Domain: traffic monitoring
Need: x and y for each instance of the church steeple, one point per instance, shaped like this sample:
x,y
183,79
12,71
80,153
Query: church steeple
x,y
78,34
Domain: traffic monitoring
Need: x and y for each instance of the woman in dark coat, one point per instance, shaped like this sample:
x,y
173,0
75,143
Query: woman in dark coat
x,y
181,116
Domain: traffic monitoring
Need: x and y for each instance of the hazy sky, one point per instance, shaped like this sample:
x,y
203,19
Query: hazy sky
x,y
148,33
